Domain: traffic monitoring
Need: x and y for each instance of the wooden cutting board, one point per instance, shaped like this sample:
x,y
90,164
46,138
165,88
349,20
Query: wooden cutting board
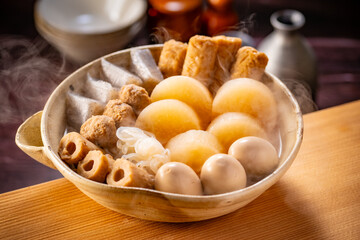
x,y
318,198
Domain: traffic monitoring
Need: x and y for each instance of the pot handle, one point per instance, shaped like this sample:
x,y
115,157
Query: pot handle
x,y
28,139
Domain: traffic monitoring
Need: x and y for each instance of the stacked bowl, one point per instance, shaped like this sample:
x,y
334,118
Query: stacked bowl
x,y
84,30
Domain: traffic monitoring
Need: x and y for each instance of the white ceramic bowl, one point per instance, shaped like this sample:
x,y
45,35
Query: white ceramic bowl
x,y
48,127
86,29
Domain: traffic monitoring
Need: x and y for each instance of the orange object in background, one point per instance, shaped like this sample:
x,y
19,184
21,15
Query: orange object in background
x,y
219,17
221,5
175,19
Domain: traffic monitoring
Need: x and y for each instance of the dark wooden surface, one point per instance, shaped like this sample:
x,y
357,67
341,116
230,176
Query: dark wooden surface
x,y
30,69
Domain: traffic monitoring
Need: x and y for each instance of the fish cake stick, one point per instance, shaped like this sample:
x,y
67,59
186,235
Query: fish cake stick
x,y
126,174
94,166
226,55
172,58
74,147
249,64
200,59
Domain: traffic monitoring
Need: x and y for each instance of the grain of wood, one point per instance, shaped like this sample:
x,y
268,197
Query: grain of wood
x,y
318,198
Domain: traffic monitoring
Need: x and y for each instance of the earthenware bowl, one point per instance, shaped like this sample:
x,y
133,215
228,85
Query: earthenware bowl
x,y
40,135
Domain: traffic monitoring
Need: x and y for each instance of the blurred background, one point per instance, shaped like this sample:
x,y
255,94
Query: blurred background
x,y
30,67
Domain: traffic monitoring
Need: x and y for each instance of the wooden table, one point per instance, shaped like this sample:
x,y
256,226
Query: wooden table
x,y
318,198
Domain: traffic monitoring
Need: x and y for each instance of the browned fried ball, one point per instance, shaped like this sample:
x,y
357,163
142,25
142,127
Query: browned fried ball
x,y
135,96
122,113
101,130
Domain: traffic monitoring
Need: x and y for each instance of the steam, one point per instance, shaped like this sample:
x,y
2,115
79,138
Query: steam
x,y
245,25
29,72
163,34
302,93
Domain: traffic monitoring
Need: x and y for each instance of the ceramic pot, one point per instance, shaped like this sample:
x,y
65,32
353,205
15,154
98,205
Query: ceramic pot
x,y
290,56
40,135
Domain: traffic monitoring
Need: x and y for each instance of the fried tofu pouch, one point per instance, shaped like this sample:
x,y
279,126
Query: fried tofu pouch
x,y
172,58
200,59
226,56
250,63
126,174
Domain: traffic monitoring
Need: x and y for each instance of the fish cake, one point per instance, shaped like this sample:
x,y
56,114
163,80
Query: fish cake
x,y
118,76
100,130
74,147
126,174
99,90
226,56
144,65
122,113
200,59
250,63
137,97
80,108
94,166
172,58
